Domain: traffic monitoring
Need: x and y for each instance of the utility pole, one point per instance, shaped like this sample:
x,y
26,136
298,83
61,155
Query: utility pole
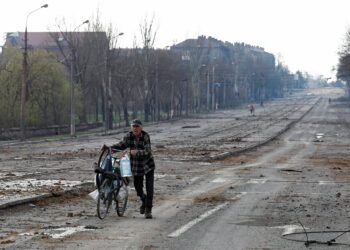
x,y
213,90
208,90
24,87
72,99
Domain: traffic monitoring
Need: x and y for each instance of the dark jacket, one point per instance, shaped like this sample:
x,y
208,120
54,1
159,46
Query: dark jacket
x,y
143,162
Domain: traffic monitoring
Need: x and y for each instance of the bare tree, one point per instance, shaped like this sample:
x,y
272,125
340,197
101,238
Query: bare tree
x,y
147,59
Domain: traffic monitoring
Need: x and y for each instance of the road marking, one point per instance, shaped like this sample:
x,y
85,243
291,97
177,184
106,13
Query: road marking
x,y
183,229
288,229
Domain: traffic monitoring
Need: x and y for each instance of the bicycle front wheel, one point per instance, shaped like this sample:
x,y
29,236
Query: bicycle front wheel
x,y
101,160
121,199
104,199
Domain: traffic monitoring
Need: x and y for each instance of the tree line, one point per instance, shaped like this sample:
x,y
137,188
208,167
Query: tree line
x,y
112,83
343,69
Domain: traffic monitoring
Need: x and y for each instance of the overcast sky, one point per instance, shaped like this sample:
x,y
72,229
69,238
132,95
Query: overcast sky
x,y
305,34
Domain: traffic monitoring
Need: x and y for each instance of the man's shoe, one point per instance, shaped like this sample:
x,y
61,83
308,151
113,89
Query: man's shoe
x,y
148,213
142,209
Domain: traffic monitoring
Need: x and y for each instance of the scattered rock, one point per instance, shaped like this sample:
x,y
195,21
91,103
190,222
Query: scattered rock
x,y
91,227
291,170
195,126
7,242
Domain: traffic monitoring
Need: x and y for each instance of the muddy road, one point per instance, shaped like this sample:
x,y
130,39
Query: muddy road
x,y
225,180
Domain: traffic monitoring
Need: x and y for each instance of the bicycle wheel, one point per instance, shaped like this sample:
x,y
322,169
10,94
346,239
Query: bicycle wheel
x,y
103,157
121,199
104,199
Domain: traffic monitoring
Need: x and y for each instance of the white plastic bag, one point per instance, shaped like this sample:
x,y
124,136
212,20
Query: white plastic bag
x,y
94,194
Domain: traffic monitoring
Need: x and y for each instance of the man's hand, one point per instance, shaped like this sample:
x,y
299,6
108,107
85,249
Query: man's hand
x,y
104,147
133,152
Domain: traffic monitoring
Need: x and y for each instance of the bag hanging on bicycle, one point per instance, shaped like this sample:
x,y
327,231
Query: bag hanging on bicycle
x,y
125,167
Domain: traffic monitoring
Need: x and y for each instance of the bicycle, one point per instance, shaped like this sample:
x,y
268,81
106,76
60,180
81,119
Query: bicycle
x,y
110,184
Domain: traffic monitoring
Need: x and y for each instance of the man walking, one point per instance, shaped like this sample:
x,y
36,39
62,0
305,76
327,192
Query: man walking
x,y
142,164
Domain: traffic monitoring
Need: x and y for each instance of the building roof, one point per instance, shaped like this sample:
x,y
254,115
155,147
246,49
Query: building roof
x,y
45,40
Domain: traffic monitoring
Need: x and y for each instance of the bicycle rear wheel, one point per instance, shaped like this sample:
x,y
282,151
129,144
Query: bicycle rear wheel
x,y
121,199
104,199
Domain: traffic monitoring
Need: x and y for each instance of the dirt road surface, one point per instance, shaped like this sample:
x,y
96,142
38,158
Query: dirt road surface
x,y
225,180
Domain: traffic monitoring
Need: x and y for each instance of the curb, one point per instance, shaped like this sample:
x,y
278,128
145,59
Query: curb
x,y
79,188
235,152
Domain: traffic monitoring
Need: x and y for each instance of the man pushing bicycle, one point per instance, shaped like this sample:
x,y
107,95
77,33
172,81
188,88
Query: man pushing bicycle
x,y
142,163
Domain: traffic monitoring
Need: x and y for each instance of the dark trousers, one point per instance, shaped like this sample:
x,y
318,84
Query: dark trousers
x,y
147,199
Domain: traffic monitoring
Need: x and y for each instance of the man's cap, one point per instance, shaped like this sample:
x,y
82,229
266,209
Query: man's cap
x,y
136,122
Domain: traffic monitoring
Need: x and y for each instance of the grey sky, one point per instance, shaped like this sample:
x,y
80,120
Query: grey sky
x,y
306,34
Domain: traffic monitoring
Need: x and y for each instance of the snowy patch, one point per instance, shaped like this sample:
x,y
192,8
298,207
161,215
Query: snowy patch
x,y
257,181
326,183
32,184
65,231
219,180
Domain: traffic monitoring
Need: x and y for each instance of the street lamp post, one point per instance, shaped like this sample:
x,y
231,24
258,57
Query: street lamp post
x,y
213,89
208,90
72,94
24,88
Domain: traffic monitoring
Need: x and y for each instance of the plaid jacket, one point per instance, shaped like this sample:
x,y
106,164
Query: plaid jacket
x,y
143,162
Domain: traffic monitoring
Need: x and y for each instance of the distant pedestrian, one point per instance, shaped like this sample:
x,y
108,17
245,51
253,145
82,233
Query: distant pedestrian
x,y
329,100
252,109
262,104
